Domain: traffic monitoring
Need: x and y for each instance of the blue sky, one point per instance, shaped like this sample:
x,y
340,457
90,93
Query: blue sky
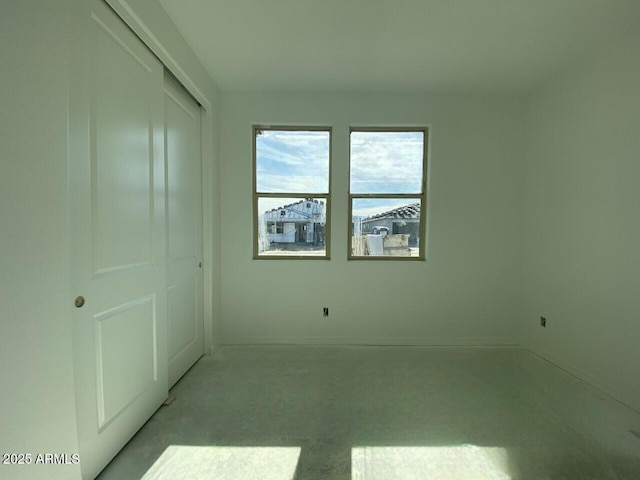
x,y
386,162
297,161
292,161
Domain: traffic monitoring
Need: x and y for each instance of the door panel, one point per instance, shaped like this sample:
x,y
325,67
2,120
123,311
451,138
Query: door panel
x,y
183,327
117,202
184,229
125,358
122,162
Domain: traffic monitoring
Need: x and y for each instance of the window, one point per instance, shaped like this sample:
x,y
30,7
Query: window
x,y
275,227
387,193
291,192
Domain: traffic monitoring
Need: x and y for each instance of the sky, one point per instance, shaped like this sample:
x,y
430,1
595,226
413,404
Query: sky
x,y
292,161
386,162
297,161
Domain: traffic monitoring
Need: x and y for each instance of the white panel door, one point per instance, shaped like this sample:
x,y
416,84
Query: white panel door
x,y
183,166
118,227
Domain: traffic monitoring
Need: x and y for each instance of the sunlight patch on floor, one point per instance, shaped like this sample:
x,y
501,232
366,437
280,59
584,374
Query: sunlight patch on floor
x,y
225,463
458,462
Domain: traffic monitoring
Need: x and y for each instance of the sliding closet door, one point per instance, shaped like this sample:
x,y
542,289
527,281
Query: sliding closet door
x,y
184,229
118,226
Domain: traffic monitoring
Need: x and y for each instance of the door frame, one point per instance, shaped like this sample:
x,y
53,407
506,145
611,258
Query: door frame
x,y
132,16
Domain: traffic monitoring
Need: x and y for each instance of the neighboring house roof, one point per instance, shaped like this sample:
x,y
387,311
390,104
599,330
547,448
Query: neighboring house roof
x,y
298,211
287,207
405,212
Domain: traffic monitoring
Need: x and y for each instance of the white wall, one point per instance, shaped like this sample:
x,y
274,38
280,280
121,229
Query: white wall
x,y
37,403
468,292
582,254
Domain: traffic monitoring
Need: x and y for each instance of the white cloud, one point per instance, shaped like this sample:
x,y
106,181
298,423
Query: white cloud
x,y
292,161
386,162
270,183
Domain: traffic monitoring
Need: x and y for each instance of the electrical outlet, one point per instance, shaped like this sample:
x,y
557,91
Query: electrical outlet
x,y
325,312
543,321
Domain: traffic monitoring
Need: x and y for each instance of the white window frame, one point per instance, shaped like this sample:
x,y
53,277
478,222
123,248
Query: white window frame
x,y
422,196
326,197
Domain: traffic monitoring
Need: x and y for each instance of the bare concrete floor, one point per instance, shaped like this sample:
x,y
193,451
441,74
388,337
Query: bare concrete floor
x,y
383,413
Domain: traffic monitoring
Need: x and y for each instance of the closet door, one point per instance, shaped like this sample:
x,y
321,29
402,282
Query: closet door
x,y
183,166
117,178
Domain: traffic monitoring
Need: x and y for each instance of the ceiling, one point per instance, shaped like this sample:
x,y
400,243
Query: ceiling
x,y
395,45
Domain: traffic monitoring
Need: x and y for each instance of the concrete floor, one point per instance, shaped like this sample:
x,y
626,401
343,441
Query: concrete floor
x,y
383,413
